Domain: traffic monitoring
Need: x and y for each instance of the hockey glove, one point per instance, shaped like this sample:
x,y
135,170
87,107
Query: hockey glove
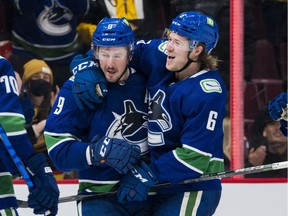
x,y
278,107
90,86
117,153
45,193
136,184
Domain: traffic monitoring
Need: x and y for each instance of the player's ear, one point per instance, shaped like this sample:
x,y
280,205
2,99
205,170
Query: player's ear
x,y
198,50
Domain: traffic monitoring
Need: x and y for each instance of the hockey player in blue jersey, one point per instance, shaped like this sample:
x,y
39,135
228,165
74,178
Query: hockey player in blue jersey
x,y
102,144
186,112
185,120
44,194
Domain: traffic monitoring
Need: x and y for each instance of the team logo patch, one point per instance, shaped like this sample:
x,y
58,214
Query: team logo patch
x,y
210,21
162,47
210,85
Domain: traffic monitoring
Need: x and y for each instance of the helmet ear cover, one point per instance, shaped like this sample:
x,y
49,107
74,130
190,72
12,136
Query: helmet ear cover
x,y
197,27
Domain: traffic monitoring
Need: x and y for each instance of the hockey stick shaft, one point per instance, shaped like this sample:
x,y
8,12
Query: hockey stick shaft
x,y
225,174
15,158
230,173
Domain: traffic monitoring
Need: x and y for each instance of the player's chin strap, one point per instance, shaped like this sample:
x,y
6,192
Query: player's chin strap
x,y
124,71
212,176
187,64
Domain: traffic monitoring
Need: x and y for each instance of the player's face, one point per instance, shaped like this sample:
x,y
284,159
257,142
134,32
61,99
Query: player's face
x,y
113,62
177,51
277,142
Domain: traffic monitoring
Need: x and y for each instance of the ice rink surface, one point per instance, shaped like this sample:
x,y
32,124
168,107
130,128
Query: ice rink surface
x,y
238,199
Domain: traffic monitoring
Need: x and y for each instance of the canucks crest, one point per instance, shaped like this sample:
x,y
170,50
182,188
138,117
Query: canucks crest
x,y
54,20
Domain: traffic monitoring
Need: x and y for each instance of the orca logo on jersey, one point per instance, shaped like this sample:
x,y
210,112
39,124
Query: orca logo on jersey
x,y
54,20
158,115
130,126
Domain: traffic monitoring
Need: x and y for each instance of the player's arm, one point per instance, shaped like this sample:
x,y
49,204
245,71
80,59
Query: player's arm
x,y
64,130
90,84
150,59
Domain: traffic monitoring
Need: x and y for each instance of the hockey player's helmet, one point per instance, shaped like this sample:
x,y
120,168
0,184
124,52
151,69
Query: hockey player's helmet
x,y
198,28
113,32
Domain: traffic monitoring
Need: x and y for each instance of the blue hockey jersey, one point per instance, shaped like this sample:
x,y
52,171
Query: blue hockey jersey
x,y
12,121
47,29
184,120
69,131
11,118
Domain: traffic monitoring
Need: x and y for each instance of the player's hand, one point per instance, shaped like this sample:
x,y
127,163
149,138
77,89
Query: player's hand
x,y
44,195
135,185
117,153
90,86
278,107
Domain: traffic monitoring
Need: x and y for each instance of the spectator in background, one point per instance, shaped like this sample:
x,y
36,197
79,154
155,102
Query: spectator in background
x,y
36,100
47,30
267,145
227,143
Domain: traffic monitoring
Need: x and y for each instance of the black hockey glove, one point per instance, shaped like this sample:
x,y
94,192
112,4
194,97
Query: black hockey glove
x,y
45,193
117,153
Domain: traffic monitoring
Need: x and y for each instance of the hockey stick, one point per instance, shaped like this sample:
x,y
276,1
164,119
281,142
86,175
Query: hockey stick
x,y
15,158
225,174
230,173
17,161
